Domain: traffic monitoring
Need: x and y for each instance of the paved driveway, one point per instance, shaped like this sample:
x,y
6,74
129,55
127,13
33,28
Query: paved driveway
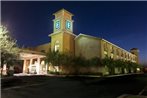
x,y
77,87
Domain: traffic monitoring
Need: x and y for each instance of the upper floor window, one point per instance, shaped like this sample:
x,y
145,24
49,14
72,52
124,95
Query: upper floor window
x,y
125,55
122,54
112,49
105,54
105,47
112,56
117,52
128,56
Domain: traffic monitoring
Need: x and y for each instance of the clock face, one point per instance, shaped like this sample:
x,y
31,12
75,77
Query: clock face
x,y
68,25
57,24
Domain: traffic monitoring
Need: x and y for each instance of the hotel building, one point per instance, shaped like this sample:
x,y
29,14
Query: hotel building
x,y
63,39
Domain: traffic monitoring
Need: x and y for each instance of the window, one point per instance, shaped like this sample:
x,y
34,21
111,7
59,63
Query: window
x,y
112,49
105,47
121,54
128,56
117,52
112,55
105,54
57,46
117,57
125,56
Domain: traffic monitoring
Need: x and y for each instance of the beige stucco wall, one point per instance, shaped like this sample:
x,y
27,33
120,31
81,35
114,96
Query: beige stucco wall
x,y
116,48
87,47
44,47
57,37
63,36
68,43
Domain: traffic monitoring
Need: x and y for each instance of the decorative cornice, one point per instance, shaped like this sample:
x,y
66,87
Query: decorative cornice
x,y
62,31
63,10
87,36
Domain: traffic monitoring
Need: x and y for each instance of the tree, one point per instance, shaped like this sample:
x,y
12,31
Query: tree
x,y
110,64
9,50
55,58
121,65
95,61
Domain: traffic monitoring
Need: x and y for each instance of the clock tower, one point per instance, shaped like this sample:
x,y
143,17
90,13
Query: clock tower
x,y
62,38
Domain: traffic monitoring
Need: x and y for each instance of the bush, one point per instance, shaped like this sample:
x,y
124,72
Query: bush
x,y
73,65
10,73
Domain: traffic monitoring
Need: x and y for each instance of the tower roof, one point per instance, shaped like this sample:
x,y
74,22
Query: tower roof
x,y
63,11
134,49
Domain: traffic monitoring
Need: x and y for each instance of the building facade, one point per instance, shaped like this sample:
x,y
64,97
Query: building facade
x,y
63,40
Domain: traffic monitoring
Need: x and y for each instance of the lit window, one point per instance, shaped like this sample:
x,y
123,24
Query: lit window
x,y
112,55
105,46
121,54
128,56
105,53
117,52
57,46
117,57
112,49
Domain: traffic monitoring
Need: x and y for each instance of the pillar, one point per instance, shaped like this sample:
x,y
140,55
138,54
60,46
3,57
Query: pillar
x,y
30,65
38,66
46,65
24,66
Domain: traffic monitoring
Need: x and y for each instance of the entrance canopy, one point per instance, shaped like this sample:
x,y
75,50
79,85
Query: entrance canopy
x,y
33,62
28,54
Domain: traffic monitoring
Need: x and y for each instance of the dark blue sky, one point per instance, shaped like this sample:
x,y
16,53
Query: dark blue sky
x,y
122,23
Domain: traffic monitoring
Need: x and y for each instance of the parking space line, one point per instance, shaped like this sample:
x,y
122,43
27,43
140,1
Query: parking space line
x,y
140,93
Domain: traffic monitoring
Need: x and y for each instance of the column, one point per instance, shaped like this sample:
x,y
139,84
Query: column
x,y
31,60
24,65
30,65
46,65
38,66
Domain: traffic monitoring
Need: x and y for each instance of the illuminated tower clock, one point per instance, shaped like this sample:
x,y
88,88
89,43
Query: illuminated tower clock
x,y
57,24
62,38
68,25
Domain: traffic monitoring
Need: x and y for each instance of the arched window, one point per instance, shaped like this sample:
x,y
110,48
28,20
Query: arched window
x,y
57,46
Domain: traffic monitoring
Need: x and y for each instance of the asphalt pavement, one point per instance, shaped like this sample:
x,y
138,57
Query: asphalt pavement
x,y
75,87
